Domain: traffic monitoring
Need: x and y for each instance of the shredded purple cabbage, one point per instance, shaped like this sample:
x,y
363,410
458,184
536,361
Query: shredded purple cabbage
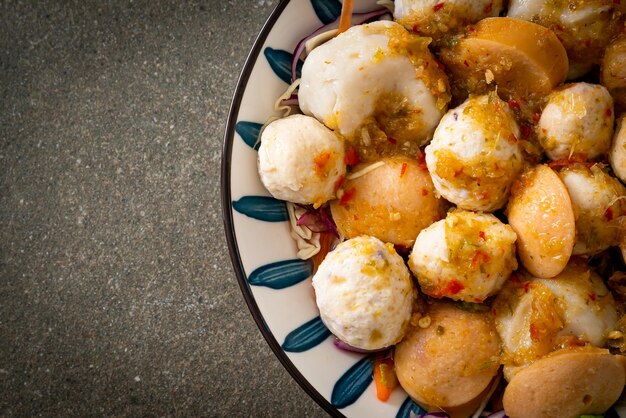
x,y
347,347
317,220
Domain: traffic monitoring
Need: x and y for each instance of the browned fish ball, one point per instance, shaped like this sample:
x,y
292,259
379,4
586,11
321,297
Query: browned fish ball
x,y
392,202
451,362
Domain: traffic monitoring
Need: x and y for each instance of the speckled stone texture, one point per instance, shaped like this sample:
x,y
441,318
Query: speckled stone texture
x,y
117,296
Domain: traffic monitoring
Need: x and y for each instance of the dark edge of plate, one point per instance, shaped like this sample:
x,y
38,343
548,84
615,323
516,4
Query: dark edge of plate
x,y
227,214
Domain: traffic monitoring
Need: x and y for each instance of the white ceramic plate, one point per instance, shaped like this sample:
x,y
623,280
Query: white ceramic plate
x,y
277,285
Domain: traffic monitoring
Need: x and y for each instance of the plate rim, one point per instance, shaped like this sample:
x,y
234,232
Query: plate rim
x,y
227,212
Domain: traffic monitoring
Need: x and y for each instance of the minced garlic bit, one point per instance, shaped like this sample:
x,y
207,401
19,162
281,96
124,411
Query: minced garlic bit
x,y
441,85
415,318
424,322
489,77
615,335
307,241
395,216
365,170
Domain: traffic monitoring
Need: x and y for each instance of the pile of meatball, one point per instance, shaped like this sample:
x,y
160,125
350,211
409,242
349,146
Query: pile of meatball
x,y
473,158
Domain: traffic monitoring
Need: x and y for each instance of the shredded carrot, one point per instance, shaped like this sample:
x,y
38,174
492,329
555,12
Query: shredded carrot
x,y
421,161
326,242
346,14
384,377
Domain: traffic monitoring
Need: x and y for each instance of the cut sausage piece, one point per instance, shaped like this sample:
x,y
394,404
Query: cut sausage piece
x,y
520,57
541,214
566,384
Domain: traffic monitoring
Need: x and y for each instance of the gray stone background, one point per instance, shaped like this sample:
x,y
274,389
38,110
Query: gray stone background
x,y
117,296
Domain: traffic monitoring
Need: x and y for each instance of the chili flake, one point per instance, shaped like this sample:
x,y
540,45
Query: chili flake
x,y
346,196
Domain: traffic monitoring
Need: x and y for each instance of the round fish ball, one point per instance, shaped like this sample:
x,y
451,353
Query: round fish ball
x,y
364,293
300,160
475,154
435,18
537,316
617,154
599,202
577,119
467,256
346,84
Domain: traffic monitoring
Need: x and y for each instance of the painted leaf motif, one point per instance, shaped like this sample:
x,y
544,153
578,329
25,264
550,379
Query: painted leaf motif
x,y
306,336
611,413
409,406
281,274
263,208
249,132
326,10
353,383
280,61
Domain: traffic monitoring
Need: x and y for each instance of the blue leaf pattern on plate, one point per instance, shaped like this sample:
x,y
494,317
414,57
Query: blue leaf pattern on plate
x,y
281,274
353,383
611,413
280,61
249,132
306,336
409,406
326,10
263,208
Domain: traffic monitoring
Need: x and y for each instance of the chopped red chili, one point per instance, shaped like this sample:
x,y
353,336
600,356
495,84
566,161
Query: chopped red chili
x,y
338,183
438,6
403,169
351,157
525,130
346,196
480,257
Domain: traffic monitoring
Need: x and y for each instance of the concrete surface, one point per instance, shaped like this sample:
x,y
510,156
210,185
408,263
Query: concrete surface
x,y
117,296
